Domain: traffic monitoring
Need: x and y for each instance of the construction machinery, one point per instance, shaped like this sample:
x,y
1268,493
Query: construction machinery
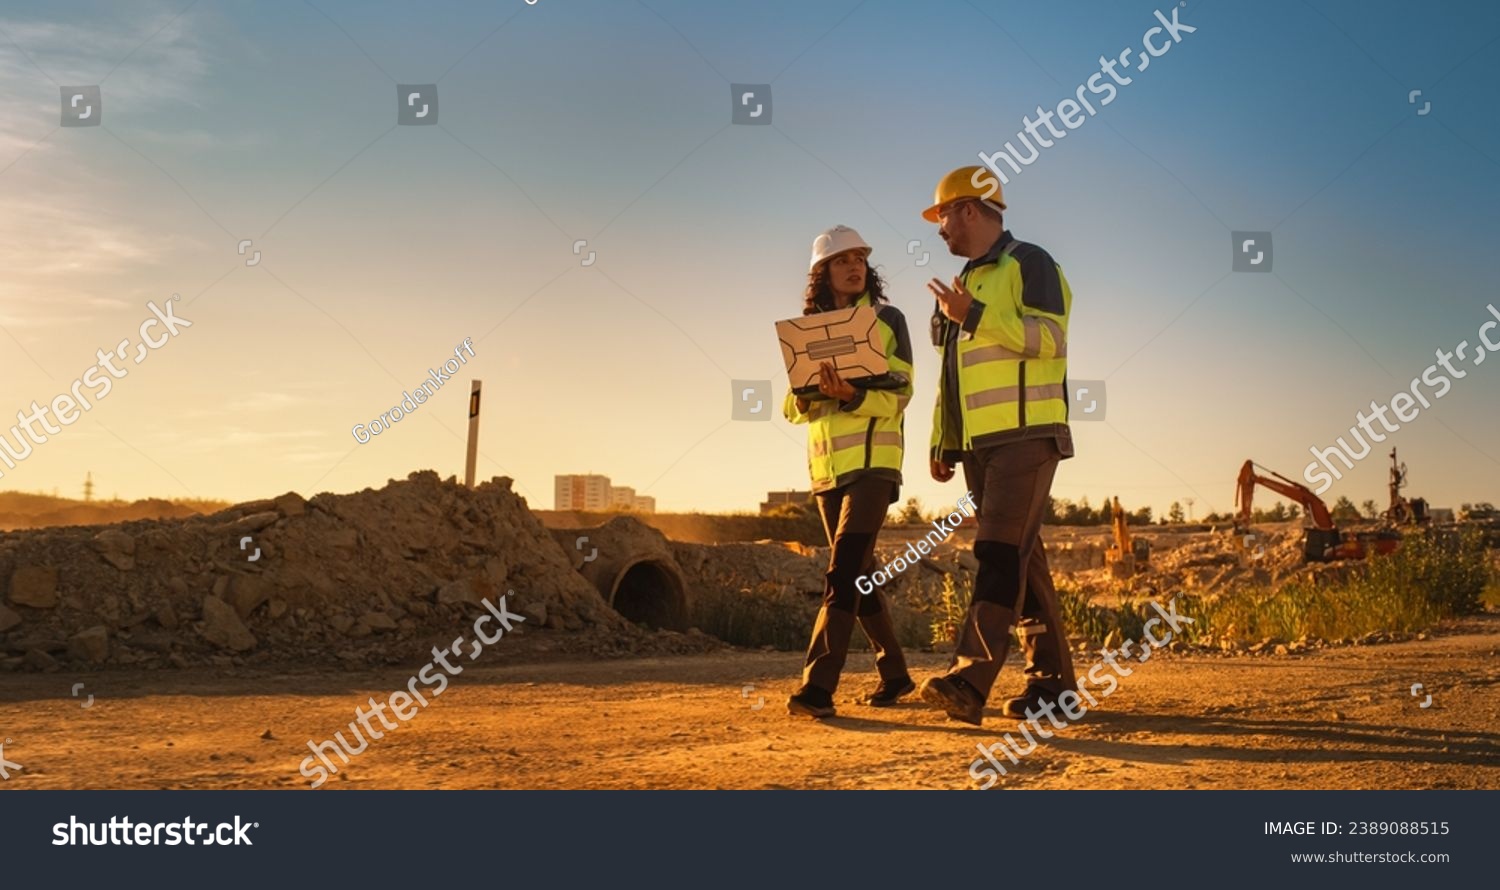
x,y
1485,517
1322,540
1482,512
1403,511
1128,555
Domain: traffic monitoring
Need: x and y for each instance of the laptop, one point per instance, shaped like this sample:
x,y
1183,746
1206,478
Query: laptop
x,y
848,339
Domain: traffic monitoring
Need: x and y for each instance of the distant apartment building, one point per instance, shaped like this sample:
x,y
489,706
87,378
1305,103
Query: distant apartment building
x,y
623,497
588,492
776,499
593,493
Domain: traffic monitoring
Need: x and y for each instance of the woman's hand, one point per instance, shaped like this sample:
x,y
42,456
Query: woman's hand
x,y
832,385
941,471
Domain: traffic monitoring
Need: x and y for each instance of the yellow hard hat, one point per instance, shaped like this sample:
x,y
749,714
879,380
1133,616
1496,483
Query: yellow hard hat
x,y
965,182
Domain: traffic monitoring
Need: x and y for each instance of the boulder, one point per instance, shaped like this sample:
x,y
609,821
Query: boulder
x,y
462,590
34,586
117,548
378,621
222,626
39,660
536,612
166,616
247,592
90,645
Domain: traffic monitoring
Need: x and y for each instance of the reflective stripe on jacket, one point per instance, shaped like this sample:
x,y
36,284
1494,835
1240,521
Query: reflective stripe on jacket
x,y
1005,368
865,434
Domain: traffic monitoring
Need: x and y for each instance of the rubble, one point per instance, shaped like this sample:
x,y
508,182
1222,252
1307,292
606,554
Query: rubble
x,y
223,628
339,578
379,576
34,586
117,548
1198,561
90,645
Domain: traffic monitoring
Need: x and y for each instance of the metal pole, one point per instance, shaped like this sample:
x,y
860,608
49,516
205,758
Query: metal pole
x,y
473,433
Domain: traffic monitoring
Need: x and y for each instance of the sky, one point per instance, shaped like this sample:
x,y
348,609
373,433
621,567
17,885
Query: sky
x,y
383,246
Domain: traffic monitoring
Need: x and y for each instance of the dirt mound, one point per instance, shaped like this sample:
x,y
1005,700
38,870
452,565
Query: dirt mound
x,y
362,578
733,566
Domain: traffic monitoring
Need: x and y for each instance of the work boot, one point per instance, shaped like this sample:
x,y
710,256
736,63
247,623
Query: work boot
x,y
954,695
895,681
827,650
1034,699
982,643
811,701
889,692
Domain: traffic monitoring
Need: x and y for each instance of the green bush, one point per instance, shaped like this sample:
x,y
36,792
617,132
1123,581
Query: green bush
x,y
947,613
1450,567
770,614
1094,623
1434,575
765,614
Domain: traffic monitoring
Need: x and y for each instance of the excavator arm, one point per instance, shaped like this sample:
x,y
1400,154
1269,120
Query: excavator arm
x,y
1312,505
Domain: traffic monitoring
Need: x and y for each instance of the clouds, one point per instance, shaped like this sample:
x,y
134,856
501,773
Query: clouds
x,y
146,60
69,229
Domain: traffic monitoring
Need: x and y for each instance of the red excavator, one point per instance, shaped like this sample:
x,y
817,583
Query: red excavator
x,y
1322,539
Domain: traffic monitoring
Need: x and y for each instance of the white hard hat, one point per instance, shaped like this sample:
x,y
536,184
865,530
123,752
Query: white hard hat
x,y
835,241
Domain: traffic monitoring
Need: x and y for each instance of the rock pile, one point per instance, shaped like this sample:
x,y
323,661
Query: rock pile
x,y
334,577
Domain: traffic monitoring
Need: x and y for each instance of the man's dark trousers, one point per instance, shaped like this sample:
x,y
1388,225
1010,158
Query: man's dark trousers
x,y
1011,485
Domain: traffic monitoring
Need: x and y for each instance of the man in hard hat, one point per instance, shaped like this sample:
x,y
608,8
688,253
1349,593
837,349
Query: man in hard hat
x,y
1002,412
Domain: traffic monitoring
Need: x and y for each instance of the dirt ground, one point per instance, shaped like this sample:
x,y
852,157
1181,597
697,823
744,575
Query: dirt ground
x,y
695,722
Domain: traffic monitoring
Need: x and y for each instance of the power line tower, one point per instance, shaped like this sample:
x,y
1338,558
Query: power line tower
x,y
88,487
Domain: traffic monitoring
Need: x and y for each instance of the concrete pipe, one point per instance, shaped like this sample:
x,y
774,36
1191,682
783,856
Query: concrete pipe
x,y
632,567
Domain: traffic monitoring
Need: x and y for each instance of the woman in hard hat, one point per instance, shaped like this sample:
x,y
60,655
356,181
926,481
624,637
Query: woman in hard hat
x,y
854,441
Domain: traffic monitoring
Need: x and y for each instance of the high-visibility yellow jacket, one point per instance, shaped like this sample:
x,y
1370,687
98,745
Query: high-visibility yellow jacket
x,y
847,440
1005,367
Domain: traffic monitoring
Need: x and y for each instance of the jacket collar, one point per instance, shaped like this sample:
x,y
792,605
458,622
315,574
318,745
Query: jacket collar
x,y
993,256
863,299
